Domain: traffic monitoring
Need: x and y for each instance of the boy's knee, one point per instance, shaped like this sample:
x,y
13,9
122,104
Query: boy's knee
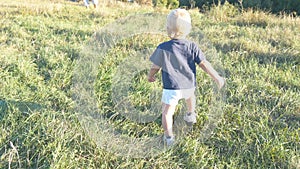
x,y
168,110
167,113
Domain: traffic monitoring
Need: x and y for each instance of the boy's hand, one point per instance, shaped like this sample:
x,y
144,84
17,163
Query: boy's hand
x,y
221,82
151,79
151,75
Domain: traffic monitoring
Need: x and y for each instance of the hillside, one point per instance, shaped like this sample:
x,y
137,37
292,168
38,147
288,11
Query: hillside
x,y
49,48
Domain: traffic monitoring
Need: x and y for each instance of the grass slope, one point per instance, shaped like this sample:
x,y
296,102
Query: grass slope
x,y
40,42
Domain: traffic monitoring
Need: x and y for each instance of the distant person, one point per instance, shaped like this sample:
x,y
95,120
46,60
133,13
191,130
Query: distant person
x,y
86,3
177,60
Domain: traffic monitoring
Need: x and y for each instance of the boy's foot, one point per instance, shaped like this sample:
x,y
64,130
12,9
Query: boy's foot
x,y
95,6
169,140
190,118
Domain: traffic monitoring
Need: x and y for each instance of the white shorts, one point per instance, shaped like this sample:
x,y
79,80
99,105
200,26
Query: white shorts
x,y
172,97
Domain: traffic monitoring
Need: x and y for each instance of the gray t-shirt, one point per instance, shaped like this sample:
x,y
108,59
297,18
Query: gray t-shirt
x,y
178,59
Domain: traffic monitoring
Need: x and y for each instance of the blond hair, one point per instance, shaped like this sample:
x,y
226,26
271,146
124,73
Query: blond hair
x,y
178,24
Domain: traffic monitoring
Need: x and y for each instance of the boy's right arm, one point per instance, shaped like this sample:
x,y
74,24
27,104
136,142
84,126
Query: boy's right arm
x,y
207,67
151,75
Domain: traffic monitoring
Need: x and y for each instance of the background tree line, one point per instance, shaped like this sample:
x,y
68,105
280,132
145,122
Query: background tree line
x,y
274,6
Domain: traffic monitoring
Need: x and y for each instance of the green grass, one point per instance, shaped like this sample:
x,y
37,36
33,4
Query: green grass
x,y
40,43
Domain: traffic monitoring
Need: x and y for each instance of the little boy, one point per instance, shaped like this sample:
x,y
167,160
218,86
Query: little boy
x,y
177,59
86,3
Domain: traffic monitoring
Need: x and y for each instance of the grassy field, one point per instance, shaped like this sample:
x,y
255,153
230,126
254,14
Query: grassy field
x,y
41,42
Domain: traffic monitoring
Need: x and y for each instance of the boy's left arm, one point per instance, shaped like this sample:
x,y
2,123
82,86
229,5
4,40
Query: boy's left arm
x,y
207,67
151,75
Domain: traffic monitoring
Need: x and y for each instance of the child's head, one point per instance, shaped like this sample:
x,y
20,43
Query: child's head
x,y
178,24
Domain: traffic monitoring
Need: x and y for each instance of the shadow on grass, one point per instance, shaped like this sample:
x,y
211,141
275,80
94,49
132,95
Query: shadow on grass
x,y
22,106
254,23
280,58
22,138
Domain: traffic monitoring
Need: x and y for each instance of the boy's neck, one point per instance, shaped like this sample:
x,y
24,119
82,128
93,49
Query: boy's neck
x,y
178,38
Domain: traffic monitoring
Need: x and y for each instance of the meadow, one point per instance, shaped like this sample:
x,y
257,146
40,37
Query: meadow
x,y
42,42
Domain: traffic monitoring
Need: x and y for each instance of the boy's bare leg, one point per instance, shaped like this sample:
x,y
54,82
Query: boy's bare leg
x,y
191,104
167,118
190,116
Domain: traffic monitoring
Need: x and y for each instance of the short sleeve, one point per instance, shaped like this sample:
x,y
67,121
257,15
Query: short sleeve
x,y
157,57
197,54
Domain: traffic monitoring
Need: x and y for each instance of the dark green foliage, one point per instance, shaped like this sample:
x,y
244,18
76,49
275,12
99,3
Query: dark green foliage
x,y
289,6
160,3
275,6
171,4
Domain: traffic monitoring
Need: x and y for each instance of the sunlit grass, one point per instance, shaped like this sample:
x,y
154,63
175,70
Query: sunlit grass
x,y
40,43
